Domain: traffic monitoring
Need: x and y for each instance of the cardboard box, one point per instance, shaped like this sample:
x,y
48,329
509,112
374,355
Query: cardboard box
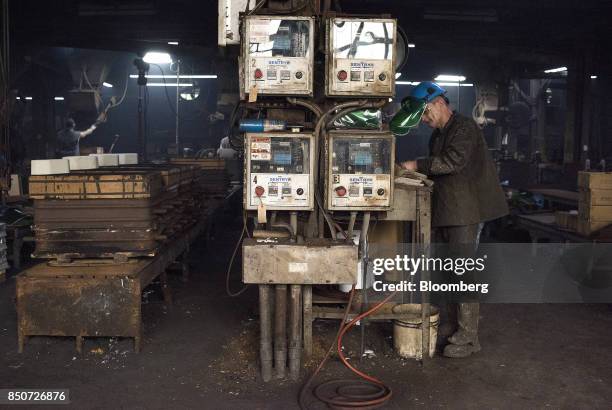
x,y
595,196
595,212
587,228
566,220
595,180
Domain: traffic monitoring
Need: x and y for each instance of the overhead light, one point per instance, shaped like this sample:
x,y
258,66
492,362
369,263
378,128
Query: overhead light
x,y
173,76
28,98
173,43
443,84
169,84
407,82
447,77
58,98
398,75
18,98
555,70
411,45
155,57
593,77
107,85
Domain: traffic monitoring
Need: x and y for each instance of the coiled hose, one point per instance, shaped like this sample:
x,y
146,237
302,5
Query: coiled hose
x,y
369,392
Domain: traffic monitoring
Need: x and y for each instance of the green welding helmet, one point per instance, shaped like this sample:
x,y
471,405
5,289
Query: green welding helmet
x,y
408,116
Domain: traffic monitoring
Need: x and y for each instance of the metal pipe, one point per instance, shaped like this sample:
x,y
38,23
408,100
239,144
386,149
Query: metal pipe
x,y
264,233
293,221
363,253
351,226
303,103
265,332
280,330
295,339
177,139
286,226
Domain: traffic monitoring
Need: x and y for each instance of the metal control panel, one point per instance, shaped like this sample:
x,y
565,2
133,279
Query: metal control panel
x,y
360,57
277,55
359,170
279,171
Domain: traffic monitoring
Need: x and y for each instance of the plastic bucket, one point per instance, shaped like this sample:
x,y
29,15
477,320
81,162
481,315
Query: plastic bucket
x,y
407,330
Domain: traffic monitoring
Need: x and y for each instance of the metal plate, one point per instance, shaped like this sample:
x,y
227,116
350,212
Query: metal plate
x,y
315,262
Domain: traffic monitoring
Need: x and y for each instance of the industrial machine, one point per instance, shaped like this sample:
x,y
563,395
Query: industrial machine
x,y
360,57
359,170
279,171
277,55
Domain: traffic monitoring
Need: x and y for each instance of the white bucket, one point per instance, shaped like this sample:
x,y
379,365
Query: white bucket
x,y
407,335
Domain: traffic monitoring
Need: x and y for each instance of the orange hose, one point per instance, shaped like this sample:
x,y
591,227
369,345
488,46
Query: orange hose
x,y
351,324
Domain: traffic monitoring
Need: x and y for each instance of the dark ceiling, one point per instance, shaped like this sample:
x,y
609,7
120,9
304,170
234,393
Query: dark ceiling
x,y
536,32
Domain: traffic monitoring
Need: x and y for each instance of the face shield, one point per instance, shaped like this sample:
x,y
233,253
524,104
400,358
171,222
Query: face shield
x,y
408,116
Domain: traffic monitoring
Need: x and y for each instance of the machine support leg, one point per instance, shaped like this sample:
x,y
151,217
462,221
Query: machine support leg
x,y
280,330
265,330
307,294
295,334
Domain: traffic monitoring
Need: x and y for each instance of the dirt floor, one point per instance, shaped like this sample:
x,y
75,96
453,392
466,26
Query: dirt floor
x,y
202,353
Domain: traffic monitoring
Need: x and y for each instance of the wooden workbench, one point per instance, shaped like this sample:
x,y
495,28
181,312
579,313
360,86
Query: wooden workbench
x,y
92,297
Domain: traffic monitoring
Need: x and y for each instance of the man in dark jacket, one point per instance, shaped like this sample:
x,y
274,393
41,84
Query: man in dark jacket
x,y
466,193
68,139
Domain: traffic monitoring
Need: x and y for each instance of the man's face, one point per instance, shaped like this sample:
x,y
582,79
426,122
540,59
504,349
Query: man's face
x,y
432,116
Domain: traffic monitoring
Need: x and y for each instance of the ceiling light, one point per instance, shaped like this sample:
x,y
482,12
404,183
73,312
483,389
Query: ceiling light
x,y
398,75
58,98
173,43
173,76
107,85
555,70
411,45
18,98
593,77
447,77
28,98
154,57
169,85
407,83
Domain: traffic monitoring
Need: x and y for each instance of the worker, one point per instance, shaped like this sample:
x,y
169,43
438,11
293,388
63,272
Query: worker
x,y
466,193
68,138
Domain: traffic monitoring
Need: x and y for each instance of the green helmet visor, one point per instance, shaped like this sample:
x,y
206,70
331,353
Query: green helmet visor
x,y
408,116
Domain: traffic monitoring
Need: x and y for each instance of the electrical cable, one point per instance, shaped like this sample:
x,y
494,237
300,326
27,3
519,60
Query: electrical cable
x,y
231,262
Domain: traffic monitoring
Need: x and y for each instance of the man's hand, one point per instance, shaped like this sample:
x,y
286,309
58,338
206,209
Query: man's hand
x,y
409,165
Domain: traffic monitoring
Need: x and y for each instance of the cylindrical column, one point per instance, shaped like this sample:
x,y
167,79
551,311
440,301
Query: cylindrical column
x,y
265,331
295,334
280,330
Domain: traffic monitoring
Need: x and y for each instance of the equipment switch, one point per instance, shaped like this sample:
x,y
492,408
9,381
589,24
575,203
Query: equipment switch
x,y
381,191
299,191
259,190
340,191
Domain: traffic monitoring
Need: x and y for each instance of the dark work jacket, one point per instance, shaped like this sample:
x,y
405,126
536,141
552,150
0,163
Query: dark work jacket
x,y
67,142
466,186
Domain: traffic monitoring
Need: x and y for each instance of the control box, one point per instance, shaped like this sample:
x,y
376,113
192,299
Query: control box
x,y
360,57
279,171
359,170
277,55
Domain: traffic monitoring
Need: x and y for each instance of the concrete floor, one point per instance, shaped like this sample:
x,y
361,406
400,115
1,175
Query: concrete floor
x,y
203,353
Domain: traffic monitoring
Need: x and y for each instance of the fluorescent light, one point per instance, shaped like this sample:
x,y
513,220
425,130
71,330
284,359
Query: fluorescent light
x,y
555,70
173,76
154,57
442,84
411,45
107,85
447,77
18,98
407,82
28,98
58,98
398,75
173,43
593,77
169,85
